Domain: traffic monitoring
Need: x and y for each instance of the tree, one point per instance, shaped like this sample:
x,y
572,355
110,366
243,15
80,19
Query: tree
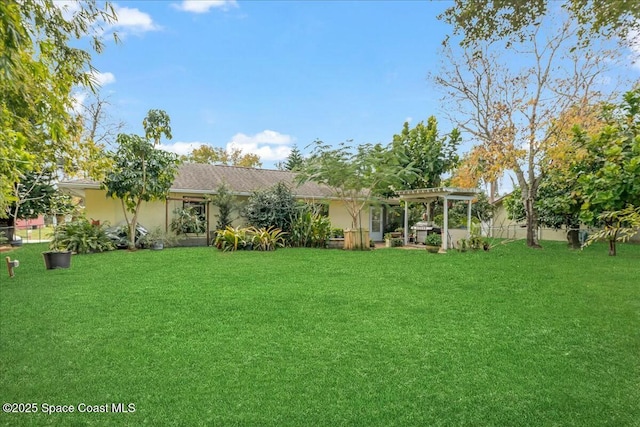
x,y
430,154
218,156
141,173
608,176
618,226
490,20
355,173
273,207
39,68
225,202
156,124
294,161
511,111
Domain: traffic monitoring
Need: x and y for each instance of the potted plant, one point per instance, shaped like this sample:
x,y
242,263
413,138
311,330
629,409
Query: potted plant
x,y
433,241
157,239
58,256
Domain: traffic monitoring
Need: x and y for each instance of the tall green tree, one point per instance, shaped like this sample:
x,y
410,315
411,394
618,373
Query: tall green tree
x,y
156,124
429,153
356,174
608,177
219,156
141,173
40,65
294,160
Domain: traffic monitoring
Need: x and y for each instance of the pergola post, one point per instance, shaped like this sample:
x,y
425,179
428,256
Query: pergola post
x,y
406,222
427,195
469,219
445,232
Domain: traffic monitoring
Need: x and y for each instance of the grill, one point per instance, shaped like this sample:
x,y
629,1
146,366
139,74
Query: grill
x,y
422,228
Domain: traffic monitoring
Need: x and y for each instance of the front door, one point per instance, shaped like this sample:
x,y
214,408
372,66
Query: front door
x,y
375,223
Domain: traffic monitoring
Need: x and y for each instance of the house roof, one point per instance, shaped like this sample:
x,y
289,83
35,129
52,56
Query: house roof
x,y
200,178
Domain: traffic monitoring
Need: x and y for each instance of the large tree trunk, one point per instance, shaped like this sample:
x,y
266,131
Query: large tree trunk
x,y
612,244
532,224
573,237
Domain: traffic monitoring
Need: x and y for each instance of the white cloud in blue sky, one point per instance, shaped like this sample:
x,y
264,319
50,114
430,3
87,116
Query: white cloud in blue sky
x,y
103,79
131,20
268,144
204,6
263,75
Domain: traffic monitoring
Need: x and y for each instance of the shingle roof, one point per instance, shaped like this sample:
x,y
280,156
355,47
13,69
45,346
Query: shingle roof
x,y
207,178
204,178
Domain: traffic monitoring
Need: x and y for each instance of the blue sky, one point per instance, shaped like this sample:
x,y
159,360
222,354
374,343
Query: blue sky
x,y
265,75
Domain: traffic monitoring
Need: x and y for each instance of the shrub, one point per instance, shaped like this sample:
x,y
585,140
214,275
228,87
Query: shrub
x,y
119,236
187,220
274,207
225,201
261,239
231,239
158,235
433,239
337,233
82,237
266,239
309,228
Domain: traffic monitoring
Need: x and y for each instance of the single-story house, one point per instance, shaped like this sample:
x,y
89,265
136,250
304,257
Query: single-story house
x,y
195,181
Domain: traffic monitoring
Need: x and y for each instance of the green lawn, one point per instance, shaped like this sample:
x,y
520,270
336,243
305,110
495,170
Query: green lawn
x,y
193,336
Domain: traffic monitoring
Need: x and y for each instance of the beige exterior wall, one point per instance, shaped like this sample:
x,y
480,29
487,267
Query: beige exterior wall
x,y
154,214
340,217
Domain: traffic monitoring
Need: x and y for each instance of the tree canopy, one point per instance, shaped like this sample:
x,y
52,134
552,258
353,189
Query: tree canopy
x,y
40,65
141,173
490,20
355,173
219,156
429,153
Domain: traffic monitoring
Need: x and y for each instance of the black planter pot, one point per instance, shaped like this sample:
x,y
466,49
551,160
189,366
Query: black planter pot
x,y
53,260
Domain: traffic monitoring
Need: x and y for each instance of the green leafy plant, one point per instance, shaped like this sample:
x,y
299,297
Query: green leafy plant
x,y
309,228
82,237
225,201
158,235
267,239
186,220
231,239
337,233
433,239
274,207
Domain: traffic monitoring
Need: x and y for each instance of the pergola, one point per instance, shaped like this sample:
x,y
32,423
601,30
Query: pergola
x,y
426,195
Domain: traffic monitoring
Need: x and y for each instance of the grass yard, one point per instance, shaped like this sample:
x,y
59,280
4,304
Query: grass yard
x,y
193,336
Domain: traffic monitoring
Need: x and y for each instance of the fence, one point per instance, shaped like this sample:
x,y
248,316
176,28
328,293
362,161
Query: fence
x,y
27,234
517,232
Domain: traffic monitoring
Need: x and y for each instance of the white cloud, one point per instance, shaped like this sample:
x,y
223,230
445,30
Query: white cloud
x,y
133,20
103,79
633,39
268,144
78,101
408,119
203,6
181,148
